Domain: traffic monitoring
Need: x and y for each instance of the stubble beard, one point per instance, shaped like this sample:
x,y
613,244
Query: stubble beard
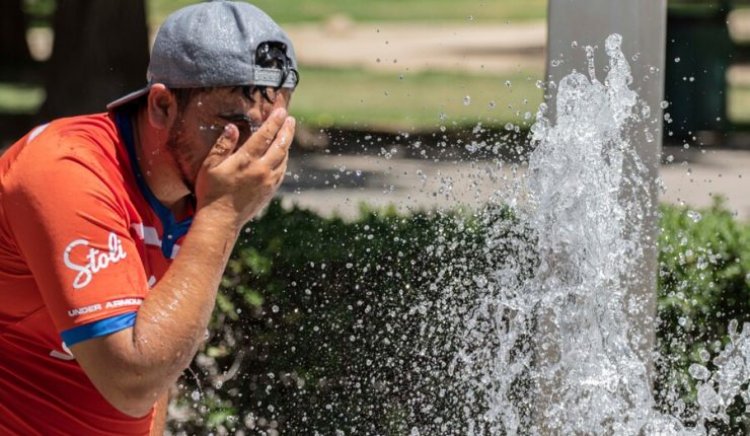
x,y
182,152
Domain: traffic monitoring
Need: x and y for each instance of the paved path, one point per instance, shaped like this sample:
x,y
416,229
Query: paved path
x,y
696,177
338,184
471,47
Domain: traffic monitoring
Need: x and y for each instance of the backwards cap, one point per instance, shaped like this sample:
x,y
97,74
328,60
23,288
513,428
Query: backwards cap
x,y
213,44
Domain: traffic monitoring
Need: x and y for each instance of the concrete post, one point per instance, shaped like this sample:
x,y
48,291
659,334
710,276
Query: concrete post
x,y
642,24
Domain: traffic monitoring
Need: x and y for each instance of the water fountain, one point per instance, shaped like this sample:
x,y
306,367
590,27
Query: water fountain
x,y
568,349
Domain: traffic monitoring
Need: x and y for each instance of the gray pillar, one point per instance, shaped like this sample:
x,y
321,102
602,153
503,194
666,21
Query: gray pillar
x,y
642,24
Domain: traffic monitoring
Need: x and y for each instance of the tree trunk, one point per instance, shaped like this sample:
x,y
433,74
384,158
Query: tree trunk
x,y
100,52
14,50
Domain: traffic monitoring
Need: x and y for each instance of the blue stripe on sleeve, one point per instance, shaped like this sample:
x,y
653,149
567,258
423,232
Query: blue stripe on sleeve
x,y
99,328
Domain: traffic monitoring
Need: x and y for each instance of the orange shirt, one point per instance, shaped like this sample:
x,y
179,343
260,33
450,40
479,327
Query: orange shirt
x,y
82,240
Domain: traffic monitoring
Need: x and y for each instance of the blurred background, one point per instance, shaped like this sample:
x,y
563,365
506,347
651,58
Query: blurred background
x,y
391,65
386,66
382,76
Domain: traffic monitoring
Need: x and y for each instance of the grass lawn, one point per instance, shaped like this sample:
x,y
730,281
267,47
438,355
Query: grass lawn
x,y
20,99
383,101
422,101
287,11
738,109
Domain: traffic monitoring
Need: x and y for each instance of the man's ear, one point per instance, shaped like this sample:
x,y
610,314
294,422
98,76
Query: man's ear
x,y
161,106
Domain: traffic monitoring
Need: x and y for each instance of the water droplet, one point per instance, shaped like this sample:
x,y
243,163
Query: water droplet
x,y
708,398
732,327
699,372
677,60
646,111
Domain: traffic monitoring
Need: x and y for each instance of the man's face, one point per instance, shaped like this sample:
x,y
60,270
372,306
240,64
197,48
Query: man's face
x,y
199,124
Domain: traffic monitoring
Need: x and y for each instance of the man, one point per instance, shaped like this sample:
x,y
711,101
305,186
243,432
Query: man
x,y
115,228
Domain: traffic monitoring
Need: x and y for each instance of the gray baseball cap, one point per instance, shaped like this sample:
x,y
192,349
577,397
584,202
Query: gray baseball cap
x,y
213,44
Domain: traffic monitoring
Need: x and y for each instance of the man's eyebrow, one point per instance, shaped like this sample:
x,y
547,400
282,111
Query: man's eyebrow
x,y
236,117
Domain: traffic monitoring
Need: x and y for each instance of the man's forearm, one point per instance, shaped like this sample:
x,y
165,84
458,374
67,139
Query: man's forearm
x,y
136,365
172,320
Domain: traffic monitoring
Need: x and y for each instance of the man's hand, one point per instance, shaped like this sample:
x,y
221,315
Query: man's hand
x,y
241,180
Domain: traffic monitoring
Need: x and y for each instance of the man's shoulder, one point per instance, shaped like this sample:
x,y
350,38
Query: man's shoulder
x,y
69,155
91,141
84,133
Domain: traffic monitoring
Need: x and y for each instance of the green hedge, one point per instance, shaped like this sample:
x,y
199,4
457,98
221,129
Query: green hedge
x,y
320,322
703,284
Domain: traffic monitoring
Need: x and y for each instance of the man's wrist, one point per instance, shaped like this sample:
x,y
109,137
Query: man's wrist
x,y
220,219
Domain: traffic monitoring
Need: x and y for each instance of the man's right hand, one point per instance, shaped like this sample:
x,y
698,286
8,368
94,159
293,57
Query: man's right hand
x,y
241,180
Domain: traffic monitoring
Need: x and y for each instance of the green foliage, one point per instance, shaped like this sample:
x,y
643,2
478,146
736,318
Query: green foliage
x,y
307,309
320,322
39,11
704,283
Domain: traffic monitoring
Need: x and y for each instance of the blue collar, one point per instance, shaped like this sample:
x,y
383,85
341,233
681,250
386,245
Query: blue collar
x,y
173,230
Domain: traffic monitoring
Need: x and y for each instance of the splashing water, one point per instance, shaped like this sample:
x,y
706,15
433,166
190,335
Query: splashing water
x,y
550,342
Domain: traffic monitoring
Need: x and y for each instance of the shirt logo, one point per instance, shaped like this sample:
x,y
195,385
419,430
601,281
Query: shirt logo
x,y
97,260
66,354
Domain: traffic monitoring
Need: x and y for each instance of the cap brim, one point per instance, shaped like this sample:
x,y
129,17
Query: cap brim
x,y
128,98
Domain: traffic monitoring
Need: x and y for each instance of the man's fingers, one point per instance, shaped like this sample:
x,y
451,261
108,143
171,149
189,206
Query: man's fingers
x,y
279,150
224,145
259,142
281,173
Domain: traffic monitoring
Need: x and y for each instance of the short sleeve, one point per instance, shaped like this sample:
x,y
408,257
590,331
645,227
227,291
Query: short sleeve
x,y
66,211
